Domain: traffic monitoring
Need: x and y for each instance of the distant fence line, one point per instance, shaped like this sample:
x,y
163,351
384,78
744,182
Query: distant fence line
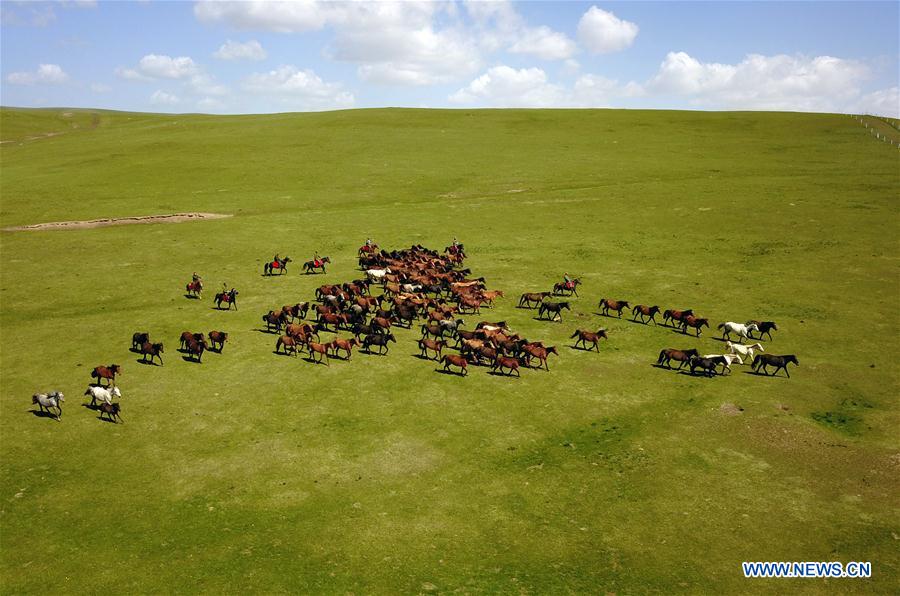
x,y
879,136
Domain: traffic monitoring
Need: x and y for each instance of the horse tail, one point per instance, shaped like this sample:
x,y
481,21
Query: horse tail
x,y
721,326
662,356
756,362
574,334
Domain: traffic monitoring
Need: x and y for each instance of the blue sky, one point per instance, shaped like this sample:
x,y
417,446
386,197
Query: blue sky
x,y
254,57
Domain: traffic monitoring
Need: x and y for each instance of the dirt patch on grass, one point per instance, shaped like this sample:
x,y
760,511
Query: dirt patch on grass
x,y
730,409
119,221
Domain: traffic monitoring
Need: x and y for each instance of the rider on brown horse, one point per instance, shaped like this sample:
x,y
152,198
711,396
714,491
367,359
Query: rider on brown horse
x,y
568,281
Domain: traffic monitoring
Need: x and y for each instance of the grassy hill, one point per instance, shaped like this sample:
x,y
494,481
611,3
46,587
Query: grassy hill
x,y
255,472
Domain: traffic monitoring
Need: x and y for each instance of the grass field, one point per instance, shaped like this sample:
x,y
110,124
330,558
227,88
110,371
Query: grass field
x,y
254,472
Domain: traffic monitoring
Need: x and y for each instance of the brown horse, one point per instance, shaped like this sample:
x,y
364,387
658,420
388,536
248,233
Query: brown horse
x,y
111,410
107,372
229,298
153,350
378,339
433,345
532,351
682,356
302,332
645,311
345,345
196,348
707,365
454,360
279,265
138,339
288,343
504,362
526,300
195,288
554,309
617,305
469,304
381,322
273,319
564,288
187,337
675,316
694,322
217,340
589,337
321,349
295,311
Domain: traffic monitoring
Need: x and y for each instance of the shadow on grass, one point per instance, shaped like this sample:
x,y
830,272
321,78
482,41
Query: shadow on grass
x,y
191,297
43,414
189,358
452,373
577,349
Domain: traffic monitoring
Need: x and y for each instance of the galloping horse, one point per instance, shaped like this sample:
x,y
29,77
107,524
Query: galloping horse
x,y
617,305
707,365
779,362
725,360
196,348
367,249
111,410
217,337
742,330
566,288
554,308
504,362
320,349
195,288
48,401
273,319
288,343
539,352
683,356
590,337
435,346
378,339
745,351
695,322
102,394
311,266
138,339
107,372
644,312
229,298
279,264
526,300
345,345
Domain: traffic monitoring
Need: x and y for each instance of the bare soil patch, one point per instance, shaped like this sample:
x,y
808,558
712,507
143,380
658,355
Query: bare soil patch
x,y
119,221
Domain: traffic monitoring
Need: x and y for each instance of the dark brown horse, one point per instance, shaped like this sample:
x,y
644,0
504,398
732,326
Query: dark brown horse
x,y
566,288
138,339
196,348
302,332
273,319
607,305
107,372
288,343
111,410
195,288
693,322
435,346
295,311
765,327
187,337
510,363
378,339
311,266
554,309
683,356
675,316
586,337
153,350
532,351
279,265
454,360
217,340
707,365
779,362
345,345
645,311
532,299
229,298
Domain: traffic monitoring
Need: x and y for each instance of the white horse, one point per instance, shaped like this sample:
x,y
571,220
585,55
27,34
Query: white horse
x,y
745,351
377,275
52,400
742,330
726,359
102,394
411,288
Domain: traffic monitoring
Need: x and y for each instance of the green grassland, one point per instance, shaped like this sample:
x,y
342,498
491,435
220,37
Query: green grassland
x,y
253,472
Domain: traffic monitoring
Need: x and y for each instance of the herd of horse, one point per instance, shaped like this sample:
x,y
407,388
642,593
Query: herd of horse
x,y
422,286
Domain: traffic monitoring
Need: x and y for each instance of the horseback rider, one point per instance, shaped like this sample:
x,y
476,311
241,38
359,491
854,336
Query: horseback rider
x,y
369,242
195,277
316,259
455,242
567,279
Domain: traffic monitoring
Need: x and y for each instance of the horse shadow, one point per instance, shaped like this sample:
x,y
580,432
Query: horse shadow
x,y
191,297
147,362
42,414
580,349
697,373
90,406
452,373
495,373
189,358
277,353
757,373
101,418
267,331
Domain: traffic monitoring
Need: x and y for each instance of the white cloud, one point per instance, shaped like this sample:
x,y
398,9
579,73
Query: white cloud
x,y
233,50
602,32
130,74
266,15
45,74
302,88
100,88
884,102
162,98
819,84
166,67
503,86
205,84
544,43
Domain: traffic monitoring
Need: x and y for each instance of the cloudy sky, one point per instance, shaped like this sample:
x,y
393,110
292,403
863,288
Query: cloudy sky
x,y
263,56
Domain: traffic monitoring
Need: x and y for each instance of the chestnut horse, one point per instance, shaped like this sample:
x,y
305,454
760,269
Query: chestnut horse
x,y
694,322
288,343
217,337
321,349
454,360
644,312
675,316
590,337
153,350
195,288
345,345
107,372
504,362
526,300
617,305
532,351
430,344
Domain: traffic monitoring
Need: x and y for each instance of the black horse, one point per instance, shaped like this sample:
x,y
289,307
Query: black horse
x,y
779,362
554,308
311,266
229,298
279,264
378,339
707,365
765,327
